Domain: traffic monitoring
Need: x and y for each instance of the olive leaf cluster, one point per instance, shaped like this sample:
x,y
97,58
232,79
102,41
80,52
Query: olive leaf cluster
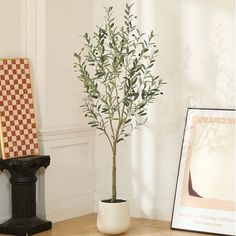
x,y
115,67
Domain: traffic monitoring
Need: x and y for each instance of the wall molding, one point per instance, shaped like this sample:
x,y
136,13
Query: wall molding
x,y
74,142
54,134
71,208
68,146
33,46
4,218
28,18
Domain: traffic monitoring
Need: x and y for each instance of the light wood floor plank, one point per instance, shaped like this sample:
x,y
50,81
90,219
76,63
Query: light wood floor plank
x,y
86,225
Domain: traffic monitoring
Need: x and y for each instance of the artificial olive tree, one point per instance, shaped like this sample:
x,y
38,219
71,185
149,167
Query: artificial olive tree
x,y
115,67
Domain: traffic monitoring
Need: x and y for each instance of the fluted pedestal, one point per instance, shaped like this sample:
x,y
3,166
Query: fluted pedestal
x,y
24,221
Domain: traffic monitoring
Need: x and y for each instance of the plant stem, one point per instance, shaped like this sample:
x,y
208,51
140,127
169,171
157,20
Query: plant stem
x,y
113,197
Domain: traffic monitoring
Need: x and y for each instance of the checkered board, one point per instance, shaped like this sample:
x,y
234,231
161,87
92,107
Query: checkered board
x,y
18,133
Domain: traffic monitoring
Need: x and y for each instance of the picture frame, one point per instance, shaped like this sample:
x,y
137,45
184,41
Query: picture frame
x,y
18,131
206,186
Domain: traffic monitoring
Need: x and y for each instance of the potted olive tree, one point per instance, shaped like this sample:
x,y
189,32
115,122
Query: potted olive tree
x,y
115,67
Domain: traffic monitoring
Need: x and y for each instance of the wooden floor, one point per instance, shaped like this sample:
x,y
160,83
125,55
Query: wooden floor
x,y
86,225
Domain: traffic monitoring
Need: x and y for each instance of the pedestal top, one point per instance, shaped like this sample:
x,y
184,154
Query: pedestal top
x,y
30,162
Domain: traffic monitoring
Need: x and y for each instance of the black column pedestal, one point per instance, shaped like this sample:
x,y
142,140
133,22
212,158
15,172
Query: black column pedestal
x,y
24,221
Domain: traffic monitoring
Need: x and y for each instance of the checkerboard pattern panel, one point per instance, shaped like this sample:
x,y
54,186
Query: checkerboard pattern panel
x,y
17,119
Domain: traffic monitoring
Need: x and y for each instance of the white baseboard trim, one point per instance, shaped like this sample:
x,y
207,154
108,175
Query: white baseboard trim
x,y
82,206
4,218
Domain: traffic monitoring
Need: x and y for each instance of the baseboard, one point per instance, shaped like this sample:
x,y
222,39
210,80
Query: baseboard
x,y
70,208
4,218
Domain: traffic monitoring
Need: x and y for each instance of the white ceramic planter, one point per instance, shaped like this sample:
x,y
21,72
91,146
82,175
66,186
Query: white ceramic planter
x,y
113,218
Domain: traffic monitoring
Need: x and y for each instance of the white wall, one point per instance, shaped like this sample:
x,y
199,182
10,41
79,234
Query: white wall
x,y
47,31
10,24
196,42
64,134
10,45
65,22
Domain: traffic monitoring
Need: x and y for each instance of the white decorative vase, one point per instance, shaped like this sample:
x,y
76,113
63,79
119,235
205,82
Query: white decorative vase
x,y
113,218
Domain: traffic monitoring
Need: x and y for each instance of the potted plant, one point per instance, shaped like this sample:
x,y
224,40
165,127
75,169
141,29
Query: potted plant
x,y
115,67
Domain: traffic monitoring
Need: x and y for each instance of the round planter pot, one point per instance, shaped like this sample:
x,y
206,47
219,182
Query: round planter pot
x,y
113,218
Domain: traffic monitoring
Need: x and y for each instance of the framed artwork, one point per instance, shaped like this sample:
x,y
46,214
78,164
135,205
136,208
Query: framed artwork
x,y
206,186
18,133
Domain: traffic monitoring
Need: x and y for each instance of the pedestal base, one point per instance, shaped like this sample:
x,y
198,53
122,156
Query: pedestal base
x,y
25,227
24,221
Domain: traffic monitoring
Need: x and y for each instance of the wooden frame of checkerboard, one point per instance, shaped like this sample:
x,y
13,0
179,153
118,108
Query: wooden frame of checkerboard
x,y
18,132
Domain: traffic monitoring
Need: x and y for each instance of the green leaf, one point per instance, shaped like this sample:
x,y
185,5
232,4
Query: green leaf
x,y
126,122
143,114
135,95
120,139
126,102
142,105
100,129
104,110
92,122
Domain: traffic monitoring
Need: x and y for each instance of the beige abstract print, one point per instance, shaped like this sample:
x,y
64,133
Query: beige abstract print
x,y
209,176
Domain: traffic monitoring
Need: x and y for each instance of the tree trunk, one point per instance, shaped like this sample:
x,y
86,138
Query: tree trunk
x,y
113,197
